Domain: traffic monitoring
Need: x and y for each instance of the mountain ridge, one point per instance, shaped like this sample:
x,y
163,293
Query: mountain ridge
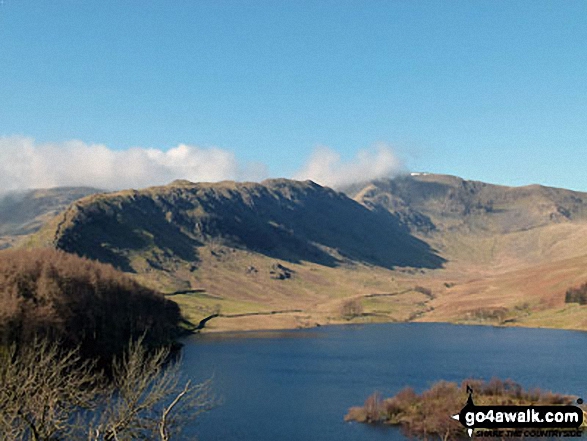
x,y
288,220
293,253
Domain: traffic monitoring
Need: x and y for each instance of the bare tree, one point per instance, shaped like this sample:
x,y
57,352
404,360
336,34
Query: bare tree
x,y
148,400
49,394
41,387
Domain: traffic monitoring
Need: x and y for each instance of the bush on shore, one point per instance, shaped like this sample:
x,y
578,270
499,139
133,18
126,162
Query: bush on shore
x,y
429,414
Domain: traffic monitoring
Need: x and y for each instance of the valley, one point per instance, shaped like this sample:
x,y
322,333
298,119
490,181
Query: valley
x,y
286,254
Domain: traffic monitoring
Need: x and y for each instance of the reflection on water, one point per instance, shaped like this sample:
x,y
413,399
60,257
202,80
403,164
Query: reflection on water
x,y
298,385
275,334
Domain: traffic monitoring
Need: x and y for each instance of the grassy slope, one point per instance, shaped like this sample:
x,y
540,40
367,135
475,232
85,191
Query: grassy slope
x,y
313,295
523,294
532,296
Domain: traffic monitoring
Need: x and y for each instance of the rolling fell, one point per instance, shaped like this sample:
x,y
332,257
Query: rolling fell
x,y
283,254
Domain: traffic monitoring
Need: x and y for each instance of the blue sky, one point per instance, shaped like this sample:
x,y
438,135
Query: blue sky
x,y
487,90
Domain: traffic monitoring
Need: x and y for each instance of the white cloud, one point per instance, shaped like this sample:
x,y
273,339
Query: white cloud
x,y
24,163
326,167
27,164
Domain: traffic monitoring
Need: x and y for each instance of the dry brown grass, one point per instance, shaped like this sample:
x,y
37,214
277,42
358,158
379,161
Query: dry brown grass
x,y
529,295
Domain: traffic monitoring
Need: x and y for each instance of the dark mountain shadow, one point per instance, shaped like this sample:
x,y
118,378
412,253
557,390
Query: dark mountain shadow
x,y
286,220
112,231
375,237
295,221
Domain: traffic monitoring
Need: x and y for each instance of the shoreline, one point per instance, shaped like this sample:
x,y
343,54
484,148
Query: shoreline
x,y
277,328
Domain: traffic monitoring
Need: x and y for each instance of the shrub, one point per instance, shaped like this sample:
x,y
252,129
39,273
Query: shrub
x,y
373,407
79,302
577,295
489,314
426,291
351,309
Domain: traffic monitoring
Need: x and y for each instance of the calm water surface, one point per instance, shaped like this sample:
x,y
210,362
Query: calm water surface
x,y
298,385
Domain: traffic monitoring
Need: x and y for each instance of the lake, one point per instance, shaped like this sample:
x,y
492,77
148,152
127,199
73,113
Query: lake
x,y
298,385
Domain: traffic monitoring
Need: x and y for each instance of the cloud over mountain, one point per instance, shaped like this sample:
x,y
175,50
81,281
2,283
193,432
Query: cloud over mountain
x,y
27,164
326,167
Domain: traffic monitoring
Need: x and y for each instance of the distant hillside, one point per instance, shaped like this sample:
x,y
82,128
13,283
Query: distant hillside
x,y
481,222
439,202
23,213
163,228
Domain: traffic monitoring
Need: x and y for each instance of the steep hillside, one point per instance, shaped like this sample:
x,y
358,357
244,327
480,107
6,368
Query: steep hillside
x,y
23,213
512,252
164,229
532,296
